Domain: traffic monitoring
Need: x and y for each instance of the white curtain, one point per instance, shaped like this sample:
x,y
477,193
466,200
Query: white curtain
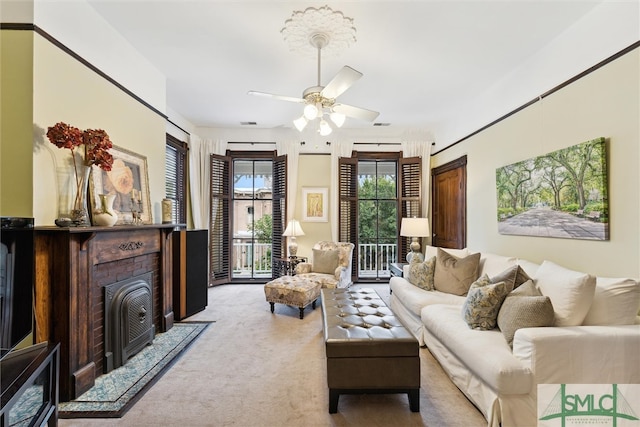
x,y
338,149
417,144
199,176
290,148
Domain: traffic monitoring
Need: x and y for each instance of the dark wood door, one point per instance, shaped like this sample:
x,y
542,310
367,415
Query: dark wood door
x,y
449,204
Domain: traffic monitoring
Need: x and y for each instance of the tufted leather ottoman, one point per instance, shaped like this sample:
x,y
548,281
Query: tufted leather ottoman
x,y
294,291
368,349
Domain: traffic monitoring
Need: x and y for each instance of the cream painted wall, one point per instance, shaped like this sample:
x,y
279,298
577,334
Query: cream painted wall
x,y
605,103
313,171
16,105
66,90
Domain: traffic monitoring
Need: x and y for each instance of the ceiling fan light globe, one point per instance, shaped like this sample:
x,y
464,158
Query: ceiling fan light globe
x,y
324,128
310,111
337,118
300,123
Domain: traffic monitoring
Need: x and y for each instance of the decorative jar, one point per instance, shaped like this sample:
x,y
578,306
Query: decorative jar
x,y
105,216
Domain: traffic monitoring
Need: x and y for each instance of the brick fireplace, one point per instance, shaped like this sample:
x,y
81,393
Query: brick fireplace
x,y
75,268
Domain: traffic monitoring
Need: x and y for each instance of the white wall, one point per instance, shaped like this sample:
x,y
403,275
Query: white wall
x,y
608,28
66,90
605,103
80,28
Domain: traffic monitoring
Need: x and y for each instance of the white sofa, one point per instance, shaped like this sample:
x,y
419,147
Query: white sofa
x,y
501,381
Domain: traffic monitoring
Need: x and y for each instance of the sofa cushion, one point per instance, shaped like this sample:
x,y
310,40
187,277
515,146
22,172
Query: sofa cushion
x,y
492,264
485,353
524,307
480,309
571,292
513,277
415,299
421,272
430,251
616,302
454,275
325,261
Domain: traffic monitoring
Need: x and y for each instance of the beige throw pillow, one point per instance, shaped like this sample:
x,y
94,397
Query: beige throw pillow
x,y
513,277
454,275
325,261
524,307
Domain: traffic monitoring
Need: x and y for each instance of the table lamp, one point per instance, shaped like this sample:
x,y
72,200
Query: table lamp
x,y
293,229
414,228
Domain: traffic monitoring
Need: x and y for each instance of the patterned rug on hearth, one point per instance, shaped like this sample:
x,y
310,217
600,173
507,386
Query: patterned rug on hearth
x,y
115,392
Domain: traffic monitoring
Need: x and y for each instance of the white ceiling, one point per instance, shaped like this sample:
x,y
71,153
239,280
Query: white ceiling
x,y
421,60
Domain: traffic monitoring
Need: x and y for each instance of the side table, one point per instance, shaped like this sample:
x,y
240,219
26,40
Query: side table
x,y
396,268
286,266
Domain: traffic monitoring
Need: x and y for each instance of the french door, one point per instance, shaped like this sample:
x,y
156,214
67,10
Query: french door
x,y
376,191
248,202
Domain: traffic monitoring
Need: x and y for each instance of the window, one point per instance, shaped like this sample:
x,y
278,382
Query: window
x,y
248,196
175,178
376,191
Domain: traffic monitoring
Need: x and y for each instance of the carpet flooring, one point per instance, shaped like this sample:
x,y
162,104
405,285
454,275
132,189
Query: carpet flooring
x,y
114,392
258,369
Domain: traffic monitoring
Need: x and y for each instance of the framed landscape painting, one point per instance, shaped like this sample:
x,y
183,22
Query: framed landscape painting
x,y
128,180
562,194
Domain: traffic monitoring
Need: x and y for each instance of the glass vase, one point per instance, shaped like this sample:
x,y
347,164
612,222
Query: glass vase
x,y
79,211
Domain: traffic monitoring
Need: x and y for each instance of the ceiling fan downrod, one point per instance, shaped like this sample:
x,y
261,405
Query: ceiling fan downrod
x,y
319,40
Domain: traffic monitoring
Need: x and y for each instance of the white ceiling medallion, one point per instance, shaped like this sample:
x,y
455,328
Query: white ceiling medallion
x,y
331,29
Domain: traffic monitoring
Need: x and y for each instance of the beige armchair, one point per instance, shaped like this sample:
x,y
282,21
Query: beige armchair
x,y
330,264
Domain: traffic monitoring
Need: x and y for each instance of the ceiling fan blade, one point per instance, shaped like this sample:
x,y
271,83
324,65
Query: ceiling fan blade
x,y
341,82
356,112
278,97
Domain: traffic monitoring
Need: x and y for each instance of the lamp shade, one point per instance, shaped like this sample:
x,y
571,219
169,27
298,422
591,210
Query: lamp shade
x,y
300,123
337,118
414,227
325,128
310,111
293,229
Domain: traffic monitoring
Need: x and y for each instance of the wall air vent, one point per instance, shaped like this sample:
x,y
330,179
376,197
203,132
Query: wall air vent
x,y
382,124
248,123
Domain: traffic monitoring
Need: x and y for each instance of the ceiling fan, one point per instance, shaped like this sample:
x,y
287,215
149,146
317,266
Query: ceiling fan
x,y
320,99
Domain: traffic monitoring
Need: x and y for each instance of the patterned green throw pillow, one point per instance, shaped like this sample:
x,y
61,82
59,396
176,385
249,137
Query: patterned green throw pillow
x,y
480,309
421,273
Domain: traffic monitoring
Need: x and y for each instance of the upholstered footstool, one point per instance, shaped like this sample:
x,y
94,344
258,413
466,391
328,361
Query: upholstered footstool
x,y
293,291
368,349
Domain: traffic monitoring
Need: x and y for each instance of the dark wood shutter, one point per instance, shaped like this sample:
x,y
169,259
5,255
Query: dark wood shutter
x,y
279,207
219,219
348,208
410,196
176,178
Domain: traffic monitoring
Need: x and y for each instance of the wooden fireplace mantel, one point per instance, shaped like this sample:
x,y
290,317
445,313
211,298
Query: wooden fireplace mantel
x,y
72,266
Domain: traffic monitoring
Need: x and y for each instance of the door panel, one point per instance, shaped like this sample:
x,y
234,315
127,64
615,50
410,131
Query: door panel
x,y
449,204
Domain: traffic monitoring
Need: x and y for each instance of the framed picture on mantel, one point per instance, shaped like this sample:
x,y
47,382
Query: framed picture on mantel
x,y
128,180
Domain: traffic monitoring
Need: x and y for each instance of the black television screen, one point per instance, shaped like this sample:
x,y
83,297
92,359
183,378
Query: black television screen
x,y
16,281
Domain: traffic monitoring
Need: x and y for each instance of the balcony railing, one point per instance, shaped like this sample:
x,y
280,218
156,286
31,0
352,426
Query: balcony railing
x,y
375,259
254,260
